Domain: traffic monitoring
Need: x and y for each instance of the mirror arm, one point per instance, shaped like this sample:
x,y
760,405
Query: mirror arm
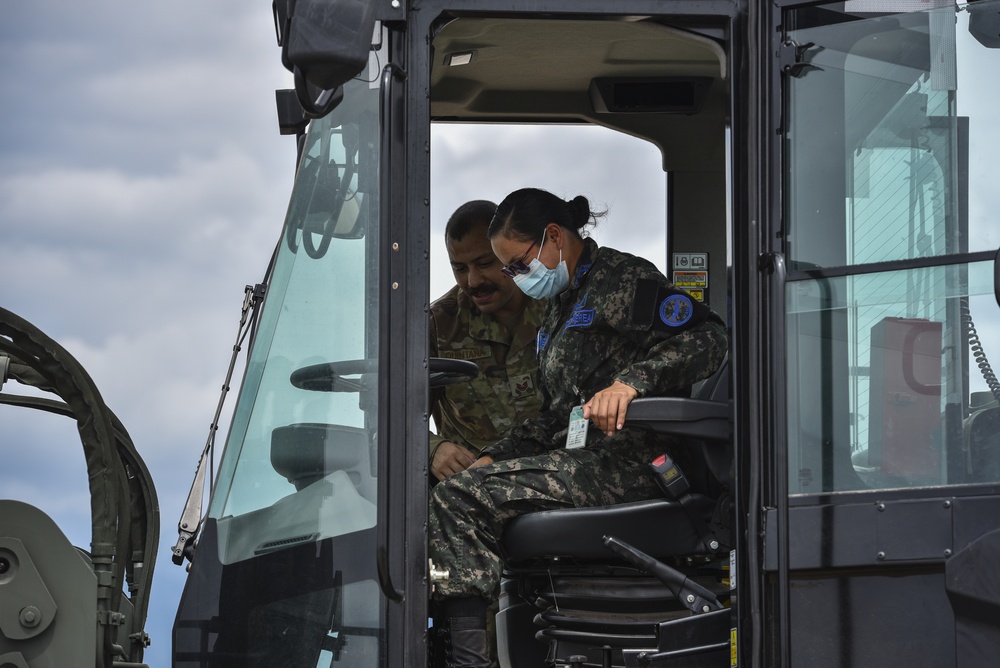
x,y
325,102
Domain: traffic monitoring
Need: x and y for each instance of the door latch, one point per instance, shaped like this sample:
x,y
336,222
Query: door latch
x,y
794,59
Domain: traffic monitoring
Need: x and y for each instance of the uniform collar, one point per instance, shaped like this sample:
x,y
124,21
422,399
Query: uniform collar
x,y
586,261
487,328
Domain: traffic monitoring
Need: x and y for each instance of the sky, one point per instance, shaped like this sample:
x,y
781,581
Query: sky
x,y
143,183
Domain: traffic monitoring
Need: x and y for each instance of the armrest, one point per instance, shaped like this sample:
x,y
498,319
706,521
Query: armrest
x,y
680,416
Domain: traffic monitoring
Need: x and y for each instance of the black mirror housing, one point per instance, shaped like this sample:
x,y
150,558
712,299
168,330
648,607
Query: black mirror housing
x,y
328,40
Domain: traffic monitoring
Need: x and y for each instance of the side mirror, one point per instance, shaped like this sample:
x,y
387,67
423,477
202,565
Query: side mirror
x,y
984,23
325,44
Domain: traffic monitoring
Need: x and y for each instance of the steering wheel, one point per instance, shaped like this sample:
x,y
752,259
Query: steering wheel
x,y
443,371
330,376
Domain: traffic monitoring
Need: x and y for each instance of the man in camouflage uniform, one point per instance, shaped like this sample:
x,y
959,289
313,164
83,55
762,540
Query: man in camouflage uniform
x,y
619,320
486,319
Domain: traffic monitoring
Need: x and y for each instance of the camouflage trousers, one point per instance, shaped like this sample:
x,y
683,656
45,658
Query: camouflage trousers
x,y
468,510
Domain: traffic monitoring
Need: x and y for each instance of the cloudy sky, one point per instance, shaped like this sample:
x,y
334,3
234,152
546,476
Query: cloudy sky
x,y
143,183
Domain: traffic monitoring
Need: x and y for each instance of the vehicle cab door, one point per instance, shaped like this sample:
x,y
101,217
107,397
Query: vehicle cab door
x,y
886,439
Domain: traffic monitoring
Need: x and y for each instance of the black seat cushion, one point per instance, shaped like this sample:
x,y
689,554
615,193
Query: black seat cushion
x,y
658,527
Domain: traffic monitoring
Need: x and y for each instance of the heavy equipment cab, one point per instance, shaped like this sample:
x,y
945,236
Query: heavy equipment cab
x,y
829,191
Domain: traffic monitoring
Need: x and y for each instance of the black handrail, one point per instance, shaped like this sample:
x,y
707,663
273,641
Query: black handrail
x,y
389,73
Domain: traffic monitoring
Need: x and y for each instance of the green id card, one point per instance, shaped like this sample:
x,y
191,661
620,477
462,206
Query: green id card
x,y
576,435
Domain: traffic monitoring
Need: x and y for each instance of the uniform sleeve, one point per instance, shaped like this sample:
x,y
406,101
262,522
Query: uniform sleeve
x,y
684,341
435,396
534,437
433,441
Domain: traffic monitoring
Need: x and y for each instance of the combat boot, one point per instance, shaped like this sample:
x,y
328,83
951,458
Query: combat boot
x,y
467,644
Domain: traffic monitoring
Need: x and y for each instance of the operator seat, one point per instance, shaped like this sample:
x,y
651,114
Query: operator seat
x,y
595,601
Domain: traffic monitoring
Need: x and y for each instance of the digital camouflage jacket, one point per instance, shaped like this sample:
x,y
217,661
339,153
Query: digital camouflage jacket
x,y
620,319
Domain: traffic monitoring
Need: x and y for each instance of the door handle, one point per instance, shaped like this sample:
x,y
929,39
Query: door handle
x,y
390,73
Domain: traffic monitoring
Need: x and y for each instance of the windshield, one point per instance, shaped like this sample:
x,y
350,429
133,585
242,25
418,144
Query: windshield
x,y
299,463
284,572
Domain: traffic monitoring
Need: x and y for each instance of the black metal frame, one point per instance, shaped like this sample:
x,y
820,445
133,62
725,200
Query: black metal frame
x,y
408,343
757,350
832,519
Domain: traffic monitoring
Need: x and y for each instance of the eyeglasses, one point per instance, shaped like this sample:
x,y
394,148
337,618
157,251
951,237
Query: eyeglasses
x,y
518,266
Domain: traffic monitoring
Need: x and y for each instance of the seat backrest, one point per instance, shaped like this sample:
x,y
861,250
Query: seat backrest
x,y
715,387
704,422
306,452
719,457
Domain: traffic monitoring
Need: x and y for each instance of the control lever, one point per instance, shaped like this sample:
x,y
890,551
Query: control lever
x,y
692,595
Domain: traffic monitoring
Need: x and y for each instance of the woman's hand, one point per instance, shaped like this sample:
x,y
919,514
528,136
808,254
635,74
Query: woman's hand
x,y
607,408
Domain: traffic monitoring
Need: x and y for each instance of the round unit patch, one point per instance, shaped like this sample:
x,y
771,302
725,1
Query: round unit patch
x,y
676,310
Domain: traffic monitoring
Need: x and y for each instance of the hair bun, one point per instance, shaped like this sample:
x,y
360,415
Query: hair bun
x,y
580,208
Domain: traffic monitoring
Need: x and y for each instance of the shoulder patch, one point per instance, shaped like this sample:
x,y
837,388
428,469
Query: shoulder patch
x,y
676,310
664,307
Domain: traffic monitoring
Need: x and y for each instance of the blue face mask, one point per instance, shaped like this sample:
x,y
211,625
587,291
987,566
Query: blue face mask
x,y
541,282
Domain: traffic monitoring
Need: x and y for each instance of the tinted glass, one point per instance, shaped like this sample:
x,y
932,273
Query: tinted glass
x,y
891,131
321,307
284,572
892,126
889,375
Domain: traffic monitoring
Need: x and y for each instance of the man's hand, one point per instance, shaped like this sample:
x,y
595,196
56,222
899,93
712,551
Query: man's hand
x,y
607,408
450,458
482,461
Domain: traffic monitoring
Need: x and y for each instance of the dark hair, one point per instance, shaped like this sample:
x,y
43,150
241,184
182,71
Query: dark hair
x,y
469,215
524,214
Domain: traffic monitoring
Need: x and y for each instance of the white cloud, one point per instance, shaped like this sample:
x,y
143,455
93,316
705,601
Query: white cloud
x,y
618,173
143,183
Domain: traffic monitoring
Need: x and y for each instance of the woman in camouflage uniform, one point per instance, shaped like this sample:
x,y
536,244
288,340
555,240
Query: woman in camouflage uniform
x,y
615,329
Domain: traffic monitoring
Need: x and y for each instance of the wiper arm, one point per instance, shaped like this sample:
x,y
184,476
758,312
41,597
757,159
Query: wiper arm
x,y
191,518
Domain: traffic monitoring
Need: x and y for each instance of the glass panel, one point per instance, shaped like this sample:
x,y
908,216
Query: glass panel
x,y
892,133
285,570
889,379
299,464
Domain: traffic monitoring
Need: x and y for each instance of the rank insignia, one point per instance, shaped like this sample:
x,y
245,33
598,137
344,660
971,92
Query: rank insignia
x,y
522,385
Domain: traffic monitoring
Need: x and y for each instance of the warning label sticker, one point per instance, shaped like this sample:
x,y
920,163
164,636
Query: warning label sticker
x,y
684,261
691,279
697,293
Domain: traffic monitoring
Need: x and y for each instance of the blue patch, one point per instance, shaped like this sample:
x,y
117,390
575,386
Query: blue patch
x,y
580,272
541,342
580,317
676,310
